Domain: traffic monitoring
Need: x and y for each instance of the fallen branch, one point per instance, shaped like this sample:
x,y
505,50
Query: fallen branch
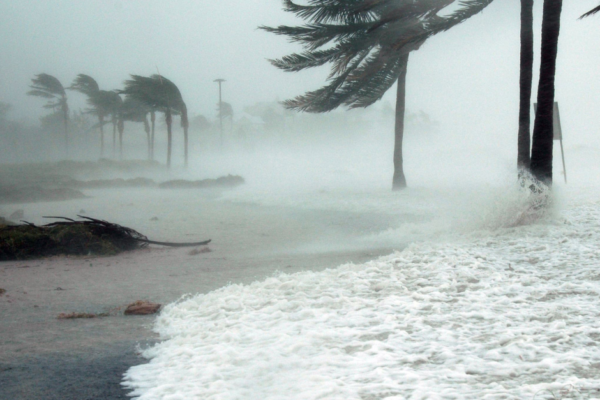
x,y
70,237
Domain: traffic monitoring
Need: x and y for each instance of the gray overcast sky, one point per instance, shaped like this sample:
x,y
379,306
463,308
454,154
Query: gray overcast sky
x,y
467,77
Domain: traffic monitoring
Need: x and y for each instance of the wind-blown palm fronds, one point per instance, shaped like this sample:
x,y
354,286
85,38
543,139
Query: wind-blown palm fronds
x,y
591,12
135,111
161,94
100,101
367,43
48,87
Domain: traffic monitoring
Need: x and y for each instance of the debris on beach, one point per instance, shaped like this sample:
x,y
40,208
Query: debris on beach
x,y
70,237
142,307
2,291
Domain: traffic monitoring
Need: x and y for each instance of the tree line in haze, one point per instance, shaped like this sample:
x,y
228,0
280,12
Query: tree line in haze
x,y
367,45
144,97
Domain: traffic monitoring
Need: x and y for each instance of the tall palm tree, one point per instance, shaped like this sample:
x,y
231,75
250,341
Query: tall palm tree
x,y
367,44
100,101
543,131
114,108
161,94
48,87
525,84
175,101
134,111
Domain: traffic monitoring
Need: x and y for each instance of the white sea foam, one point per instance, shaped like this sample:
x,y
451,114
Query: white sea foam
x,y
507,312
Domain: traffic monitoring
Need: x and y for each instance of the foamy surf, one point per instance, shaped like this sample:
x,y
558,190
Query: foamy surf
x,y
503,313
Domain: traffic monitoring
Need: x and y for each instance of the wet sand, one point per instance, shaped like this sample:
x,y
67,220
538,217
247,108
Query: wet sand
x,y
42,357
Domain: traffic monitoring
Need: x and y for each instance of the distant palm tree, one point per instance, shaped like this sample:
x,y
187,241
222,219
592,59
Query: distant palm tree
x,y
543,131
368,43
48,87
98,100
161,94
114,108
134,111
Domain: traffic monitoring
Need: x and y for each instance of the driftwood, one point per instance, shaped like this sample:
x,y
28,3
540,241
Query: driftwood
x,y
70,237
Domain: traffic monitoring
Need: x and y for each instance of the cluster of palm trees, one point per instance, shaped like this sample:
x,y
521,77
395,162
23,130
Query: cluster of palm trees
x,y
144,96
368,44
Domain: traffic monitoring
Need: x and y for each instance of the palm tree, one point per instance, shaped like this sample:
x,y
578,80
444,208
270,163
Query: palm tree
x,y
134,111
175,100
368,43
159,93
48,87
543,131
114,108
100,101
525,83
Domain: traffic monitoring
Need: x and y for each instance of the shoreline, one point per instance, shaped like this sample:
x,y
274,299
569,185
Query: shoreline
x,y
46,358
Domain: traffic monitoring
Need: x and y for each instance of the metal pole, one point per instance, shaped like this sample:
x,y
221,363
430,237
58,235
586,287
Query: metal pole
x,y
562,152
220,108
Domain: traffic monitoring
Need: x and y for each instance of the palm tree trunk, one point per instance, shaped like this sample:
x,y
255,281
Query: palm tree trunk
x,y
147,129
153,121
169,120
65,109
121,125
185,124
101,122
114,122
543,131
525,83
399,180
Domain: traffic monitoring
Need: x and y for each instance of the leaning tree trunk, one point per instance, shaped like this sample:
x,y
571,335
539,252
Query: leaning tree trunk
x,y
121,126
147,130
543,131
101,122
169,120
153,121
65,109
525,83
399,181
185,124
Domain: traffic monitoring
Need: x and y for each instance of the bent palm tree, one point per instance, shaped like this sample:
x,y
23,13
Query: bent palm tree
x,y
98,100
161,94
134,111
367,44
48,87
114,108
175,101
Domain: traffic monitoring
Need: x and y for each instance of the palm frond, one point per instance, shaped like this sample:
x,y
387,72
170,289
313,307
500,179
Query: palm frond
x,y
85,84
336,11
591,12
47,84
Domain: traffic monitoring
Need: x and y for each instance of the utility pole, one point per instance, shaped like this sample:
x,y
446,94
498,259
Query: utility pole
x,y
220,108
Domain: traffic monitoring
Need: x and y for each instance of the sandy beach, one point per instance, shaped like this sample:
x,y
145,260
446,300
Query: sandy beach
x,y
43,357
